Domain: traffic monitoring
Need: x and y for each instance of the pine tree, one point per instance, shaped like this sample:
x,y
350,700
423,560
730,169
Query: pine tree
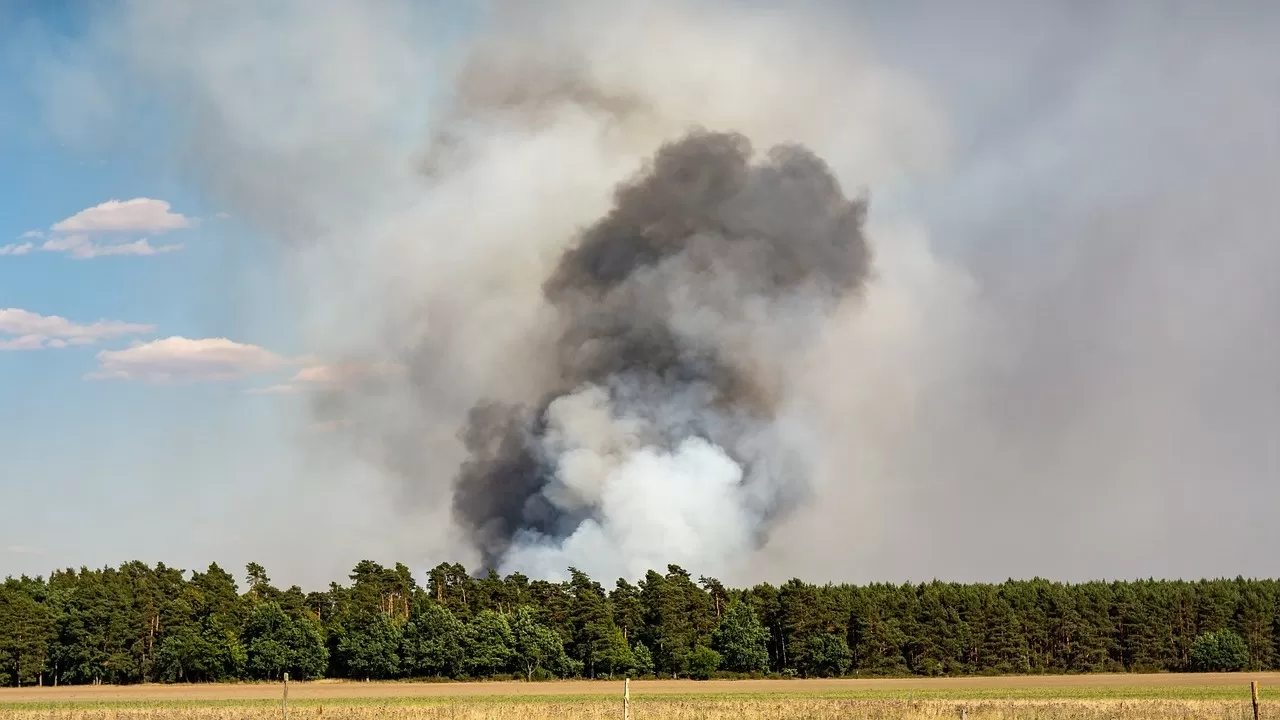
x,y
628,613
591,625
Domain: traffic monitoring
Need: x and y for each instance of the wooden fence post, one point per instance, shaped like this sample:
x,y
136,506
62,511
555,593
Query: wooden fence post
x,y
626,699
284,701
1253,689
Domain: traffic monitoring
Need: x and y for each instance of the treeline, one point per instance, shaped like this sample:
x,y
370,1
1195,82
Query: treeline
x,y
138,623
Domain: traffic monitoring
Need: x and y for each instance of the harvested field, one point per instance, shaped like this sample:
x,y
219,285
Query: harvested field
x,y
1126,697
712,708
1183,686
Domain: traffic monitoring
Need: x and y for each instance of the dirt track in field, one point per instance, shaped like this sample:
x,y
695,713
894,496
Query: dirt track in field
x,y
335,690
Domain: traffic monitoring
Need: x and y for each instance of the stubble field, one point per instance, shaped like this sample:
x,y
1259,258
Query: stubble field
x,y
1120,697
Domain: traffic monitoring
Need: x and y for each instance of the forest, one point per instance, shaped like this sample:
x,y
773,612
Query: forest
x,y
138,623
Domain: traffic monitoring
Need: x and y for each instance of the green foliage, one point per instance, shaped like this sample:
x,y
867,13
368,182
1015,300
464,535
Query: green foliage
x,y
276,643
202,655
369,647
570,668
26,629
432,642
140,623
256,576
641,659
533,645
489,644
742,640
824,655
703,662
615,656
594,638
1220,651
678,615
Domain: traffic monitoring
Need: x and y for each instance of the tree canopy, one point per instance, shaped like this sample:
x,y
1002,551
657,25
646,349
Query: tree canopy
x,y
141,623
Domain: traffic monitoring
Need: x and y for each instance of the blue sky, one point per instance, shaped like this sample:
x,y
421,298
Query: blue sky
x,y
156,442
100,470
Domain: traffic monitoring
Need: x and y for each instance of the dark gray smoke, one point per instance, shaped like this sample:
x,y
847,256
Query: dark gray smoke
x,y
706,245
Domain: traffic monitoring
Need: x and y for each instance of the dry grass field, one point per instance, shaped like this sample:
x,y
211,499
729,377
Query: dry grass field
x,y
1098,697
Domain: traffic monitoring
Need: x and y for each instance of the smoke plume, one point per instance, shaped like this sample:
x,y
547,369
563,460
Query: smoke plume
x,y
613,340
656,440
601,368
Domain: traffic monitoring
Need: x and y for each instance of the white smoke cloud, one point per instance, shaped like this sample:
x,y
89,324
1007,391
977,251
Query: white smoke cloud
x,y
654,507
585,86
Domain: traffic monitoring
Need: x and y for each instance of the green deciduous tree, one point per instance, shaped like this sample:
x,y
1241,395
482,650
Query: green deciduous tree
x,y
432,641
1219,651
616,655
824,655
641,659
742,640
195,654
703,662
533,645
488,643
369,647
276,643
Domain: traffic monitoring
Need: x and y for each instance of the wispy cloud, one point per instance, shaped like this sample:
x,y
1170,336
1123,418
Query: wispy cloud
x,y
25,330
16,248
81,235
180,359
331,376
81,247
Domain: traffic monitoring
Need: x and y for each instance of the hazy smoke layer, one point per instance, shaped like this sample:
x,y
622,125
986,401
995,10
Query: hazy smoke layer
x,y
673,312
1066,363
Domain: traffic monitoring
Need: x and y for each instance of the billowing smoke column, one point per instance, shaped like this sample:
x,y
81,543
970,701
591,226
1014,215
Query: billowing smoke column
x,y
676,313
1077,339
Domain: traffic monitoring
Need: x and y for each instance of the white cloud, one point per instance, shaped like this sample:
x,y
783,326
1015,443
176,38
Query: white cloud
x,y
78,235
136,215
180,359
25,330
16,248
82,248
24,342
